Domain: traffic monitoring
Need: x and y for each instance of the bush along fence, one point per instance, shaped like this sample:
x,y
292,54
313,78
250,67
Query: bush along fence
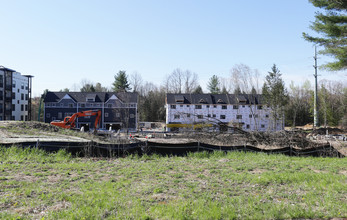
x,y
116,150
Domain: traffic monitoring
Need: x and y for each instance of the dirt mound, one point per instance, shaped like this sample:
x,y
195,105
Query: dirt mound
x,y
328,130
278,139
33,125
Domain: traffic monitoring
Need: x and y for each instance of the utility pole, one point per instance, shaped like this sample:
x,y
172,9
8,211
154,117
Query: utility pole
x,y
315,111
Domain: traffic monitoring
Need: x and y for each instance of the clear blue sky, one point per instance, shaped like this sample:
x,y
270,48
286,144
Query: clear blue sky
x,y
63,42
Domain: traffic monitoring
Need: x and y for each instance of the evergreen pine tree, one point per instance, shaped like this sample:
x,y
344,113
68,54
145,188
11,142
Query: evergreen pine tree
x,y
120,83
333,26
275,94
213,85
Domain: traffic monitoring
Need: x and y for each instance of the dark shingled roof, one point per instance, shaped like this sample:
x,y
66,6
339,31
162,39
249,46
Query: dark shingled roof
x,y
128,97
215,99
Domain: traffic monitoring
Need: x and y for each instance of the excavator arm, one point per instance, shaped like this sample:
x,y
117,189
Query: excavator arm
x,y
69,121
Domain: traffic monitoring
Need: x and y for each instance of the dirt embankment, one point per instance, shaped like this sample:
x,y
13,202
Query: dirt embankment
x,y
12,132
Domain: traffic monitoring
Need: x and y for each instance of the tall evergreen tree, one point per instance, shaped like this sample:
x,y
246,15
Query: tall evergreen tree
x,y
121,83
333,26
213,85
198,90
275,93
237,90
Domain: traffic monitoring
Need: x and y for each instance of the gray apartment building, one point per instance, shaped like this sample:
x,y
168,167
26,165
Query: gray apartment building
x,y
118,110
15,95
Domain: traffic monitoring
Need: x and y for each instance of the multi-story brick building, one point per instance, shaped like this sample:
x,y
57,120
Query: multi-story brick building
x,y
215,111
15,95
118,110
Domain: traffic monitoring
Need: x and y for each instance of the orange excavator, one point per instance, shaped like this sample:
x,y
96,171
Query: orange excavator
x,y
69,121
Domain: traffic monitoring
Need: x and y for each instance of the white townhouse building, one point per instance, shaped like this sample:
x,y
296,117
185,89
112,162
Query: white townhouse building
x,y
15,95
217,111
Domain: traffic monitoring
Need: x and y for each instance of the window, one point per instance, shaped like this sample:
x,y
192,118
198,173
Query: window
x,y
106,114
181,106
26,97
48,115
83,105
198,107
60,115
262,126
22,96
70,105
22,107
222,116
200,117
14,85
13,95
53,104
61,104
68,114
26,107
214,106
21,117
13,107
238,116
235,107
224,107
17,90
22,86
207,106
209,115
255,116
214,115
187,106
243,106
188,115
250,116
26,118
247,126
266,116
109,105
176,116
260,107
173,106
17,101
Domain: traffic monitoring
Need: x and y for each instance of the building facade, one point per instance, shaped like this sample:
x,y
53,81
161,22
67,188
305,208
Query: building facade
x,y
118,110
15,95
219,111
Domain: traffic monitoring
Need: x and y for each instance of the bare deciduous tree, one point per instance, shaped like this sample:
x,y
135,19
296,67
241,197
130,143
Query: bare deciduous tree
x,y
181,81
245,80
136,82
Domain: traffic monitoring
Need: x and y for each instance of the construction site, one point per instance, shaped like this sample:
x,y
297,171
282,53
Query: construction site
x,y
324,142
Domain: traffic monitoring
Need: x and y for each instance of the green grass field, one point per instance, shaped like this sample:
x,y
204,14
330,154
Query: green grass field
x,y
38,185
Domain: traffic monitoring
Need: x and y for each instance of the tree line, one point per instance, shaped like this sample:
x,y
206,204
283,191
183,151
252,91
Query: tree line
x,y
295,102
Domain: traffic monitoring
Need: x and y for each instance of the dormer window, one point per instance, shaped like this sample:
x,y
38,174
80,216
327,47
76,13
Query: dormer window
x,y
242,100
179,99
220,101
90,98
202,101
